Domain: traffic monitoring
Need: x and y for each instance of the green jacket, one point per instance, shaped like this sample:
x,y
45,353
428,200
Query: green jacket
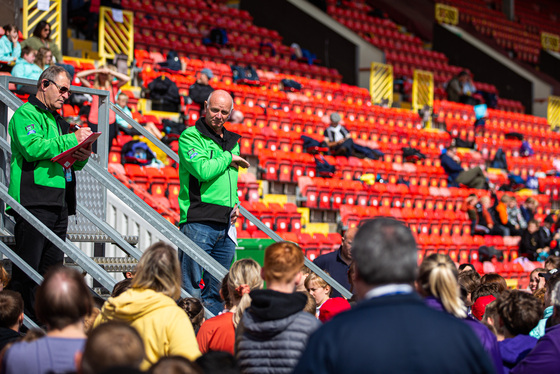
x,y
36,137
208,182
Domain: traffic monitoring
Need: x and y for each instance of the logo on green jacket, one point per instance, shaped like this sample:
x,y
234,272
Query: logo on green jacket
x,y
30,129
192,153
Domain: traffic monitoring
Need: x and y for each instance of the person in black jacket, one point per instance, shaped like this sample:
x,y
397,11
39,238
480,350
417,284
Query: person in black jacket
x,y
531,244
164,94
200,90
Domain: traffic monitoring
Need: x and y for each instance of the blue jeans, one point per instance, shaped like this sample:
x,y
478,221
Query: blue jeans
x,y
213,239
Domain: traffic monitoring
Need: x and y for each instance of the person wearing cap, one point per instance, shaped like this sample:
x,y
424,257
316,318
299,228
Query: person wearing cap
x,y
200,90
340,142
552,278
545,357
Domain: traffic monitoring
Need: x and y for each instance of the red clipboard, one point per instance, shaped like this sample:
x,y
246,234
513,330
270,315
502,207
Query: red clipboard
x,y
66,159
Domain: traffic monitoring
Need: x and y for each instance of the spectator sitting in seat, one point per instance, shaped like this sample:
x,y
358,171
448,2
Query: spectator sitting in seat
x,y
547,235
545,357
10,49
200,90
536,282
43,58
473,178
461,88
481,219
110,345
519,312
41,38
25,68
516,222
340,142
11,317
122,101
62,302
531,244
499,214
529,208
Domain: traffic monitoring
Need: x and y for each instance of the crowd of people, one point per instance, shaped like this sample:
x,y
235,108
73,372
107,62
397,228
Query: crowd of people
x,y
435,317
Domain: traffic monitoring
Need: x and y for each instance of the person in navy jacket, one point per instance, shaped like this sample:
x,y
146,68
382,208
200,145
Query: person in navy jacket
x,y
391,330
473,178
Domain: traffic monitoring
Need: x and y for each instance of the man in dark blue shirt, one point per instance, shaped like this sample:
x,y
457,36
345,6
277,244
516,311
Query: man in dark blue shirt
x,y
473,178
338,262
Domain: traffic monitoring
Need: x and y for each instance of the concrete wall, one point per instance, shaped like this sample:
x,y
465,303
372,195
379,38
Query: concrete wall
x,y
301,22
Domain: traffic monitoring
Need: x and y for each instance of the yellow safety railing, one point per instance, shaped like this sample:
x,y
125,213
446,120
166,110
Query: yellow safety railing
x,y
553,112
422,90
550,42
49,11
447,14
116,37
381,83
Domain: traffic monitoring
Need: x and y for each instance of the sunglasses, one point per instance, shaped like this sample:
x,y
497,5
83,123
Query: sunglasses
x,y
61,89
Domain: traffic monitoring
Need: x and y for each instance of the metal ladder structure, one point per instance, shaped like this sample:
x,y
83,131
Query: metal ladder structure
x,y
96,172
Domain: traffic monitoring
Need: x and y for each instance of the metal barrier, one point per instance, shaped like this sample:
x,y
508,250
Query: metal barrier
x,y
116,36
381,84
98,170
50,11
447,14
553,112
423,91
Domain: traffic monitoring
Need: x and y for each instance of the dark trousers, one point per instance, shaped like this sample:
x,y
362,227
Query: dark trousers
x,y
37,251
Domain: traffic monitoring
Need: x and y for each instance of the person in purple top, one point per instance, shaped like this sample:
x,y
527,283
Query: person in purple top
x,y
62,302
545,357
437,283
519,312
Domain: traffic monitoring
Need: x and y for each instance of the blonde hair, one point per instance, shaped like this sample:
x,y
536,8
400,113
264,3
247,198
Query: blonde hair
x,y
159,270
438,278
40,56
244,276
314,278
282,261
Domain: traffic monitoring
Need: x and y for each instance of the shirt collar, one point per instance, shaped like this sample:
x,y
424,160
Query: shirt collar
x,y
389,289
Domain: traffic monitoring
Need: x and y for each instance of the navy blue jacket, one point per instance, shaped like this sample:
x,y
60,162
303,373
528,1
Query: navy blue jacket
x,y
394,334
333,264
451,167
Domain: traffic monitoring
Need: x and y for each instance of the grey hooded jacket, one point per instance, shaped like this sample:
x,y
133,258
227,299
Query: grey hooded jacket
x,y
273,332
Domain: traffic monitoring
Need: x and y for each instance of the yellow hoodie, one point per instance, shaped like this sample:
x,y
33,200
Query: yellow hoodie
x,y
164,327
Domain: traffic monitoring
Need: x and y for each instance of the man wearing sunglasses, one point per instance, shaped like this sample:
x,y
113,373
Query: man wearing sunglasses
x,y
45,188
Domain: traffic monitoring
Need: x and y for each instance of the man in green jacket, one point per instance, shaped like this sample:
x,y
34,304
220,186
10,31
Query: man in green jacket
x,y
45,188
208,164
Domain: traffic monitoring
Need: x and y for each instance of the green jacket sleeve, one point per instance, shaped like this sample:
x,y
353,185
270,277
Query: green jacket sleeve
x,y
194,154
29,135
79,165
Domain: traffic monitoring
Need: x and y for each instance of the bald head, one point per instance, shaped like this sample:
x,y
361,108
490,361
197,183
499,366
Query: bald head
x,y
217,109
347,244
63,298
